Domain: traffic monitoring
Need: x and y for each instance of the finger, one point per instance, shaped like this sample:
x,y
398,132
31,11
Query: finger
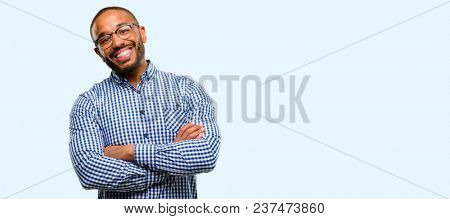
x,y
194,134
184,128
199,136
190,131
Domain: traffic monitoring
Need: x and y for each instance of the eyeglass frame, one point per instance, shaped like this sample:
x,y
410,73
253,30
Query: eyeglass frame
x,y
114,32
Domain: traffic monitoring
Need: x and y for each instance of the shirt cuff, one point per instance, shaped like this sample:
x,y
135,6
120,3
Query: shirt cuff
x,y
145,155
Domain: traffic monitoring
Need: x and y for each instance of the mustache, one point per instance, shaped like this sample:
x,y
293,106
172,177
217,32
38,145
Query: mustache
x,y
114,50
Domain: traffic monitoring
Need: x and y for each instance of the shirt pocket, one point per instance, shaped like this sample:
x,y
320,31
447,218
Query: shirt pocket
x,y
174,119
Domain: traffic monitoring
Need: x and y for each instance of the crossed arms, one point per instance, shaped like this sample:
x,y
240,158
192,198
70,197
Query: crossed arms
x,y
137,167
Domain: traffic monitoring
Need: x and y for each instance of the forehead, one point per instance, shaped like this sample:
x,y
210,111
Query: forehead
x,y
110,20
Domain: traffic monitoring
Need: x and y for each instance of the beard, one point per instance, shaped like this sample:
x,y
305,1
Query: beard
x,y
140,53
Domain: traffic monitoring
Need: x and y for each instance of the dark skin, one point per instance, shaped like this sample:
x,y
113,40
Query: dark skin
x,y
131,68
108,22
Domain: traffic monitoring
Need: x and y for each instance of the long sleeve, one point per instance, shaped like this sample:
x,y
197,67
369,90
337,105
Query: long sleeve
x,y
94,170
191,156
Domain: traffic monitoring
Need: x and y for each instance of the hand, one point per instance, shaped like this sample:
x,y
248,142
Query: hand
x,y
190,131
121,152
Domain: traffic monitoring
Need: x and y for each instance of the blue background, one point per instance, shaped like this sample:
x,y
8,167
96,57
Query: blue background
x,y
383,100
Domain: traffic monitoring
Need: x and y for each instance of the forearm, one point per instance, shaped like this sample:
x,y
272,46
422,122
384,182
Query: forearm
x,y
95,170
99,172
181,158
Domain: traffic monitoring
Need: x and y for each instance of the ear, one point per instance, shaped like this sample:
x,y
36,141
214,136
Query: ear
x,y
99,54
143,34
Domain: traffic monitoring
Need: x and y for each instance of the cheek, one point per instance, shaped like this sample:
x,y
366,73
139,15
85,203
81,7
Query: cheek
x,y
105,54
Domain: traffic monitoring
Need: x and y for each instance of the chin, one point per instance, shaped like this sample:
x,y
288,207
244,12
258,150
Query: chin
x,y
124,68
127,65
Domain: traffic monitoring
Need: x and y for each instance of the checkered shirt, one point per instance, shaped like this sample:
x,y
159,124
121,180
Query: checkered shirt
x,y
113,112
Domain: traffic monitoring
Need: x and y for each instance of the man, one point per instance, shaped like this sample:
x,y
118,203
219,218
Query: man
x,y
134,135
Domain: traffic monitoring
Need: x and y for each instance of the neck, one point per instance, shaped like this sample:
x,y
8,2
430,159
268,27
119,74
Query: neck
x,y
134,77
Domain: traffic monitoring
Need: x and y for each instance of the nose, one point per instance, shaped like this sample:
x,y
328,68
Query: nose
x,y
117,42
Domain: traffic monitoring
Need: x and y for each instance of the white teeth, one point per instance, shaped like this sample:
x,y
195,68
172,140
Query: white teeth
x,y
124,53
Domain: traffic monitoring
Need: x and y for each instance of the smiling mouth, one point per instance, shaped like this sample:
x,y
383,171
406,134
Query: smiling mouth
x,y
123,54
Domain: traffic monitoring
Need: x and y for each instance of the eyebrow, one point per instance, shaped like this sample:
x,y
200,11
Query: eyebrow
x,y
123,23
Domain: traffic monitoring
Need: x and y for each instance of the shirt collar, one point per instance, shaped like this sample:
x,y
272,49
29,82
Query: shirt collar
x,y
146,76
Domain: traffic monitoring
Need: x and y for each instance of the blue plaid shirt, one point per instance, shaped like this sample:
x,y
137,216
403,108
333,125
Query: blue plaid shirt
x,y
113,112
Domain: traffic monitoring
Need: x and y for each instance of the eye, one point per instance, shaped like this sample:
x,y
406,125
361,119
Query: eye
x,y
124,30
104,39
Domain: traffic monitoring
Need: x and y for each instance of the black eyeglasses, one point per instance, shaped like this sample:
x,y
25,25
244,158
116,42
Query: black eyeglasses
x,y
123,32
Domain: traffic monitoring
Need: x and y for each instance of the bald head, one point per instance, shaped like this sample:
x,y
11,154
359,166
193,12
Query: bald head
x,y
113,8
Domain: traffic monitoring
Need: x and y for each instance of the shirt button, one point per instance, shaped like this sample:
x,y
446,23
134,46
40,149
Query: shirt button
x,y
139,92
146,135
142,112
